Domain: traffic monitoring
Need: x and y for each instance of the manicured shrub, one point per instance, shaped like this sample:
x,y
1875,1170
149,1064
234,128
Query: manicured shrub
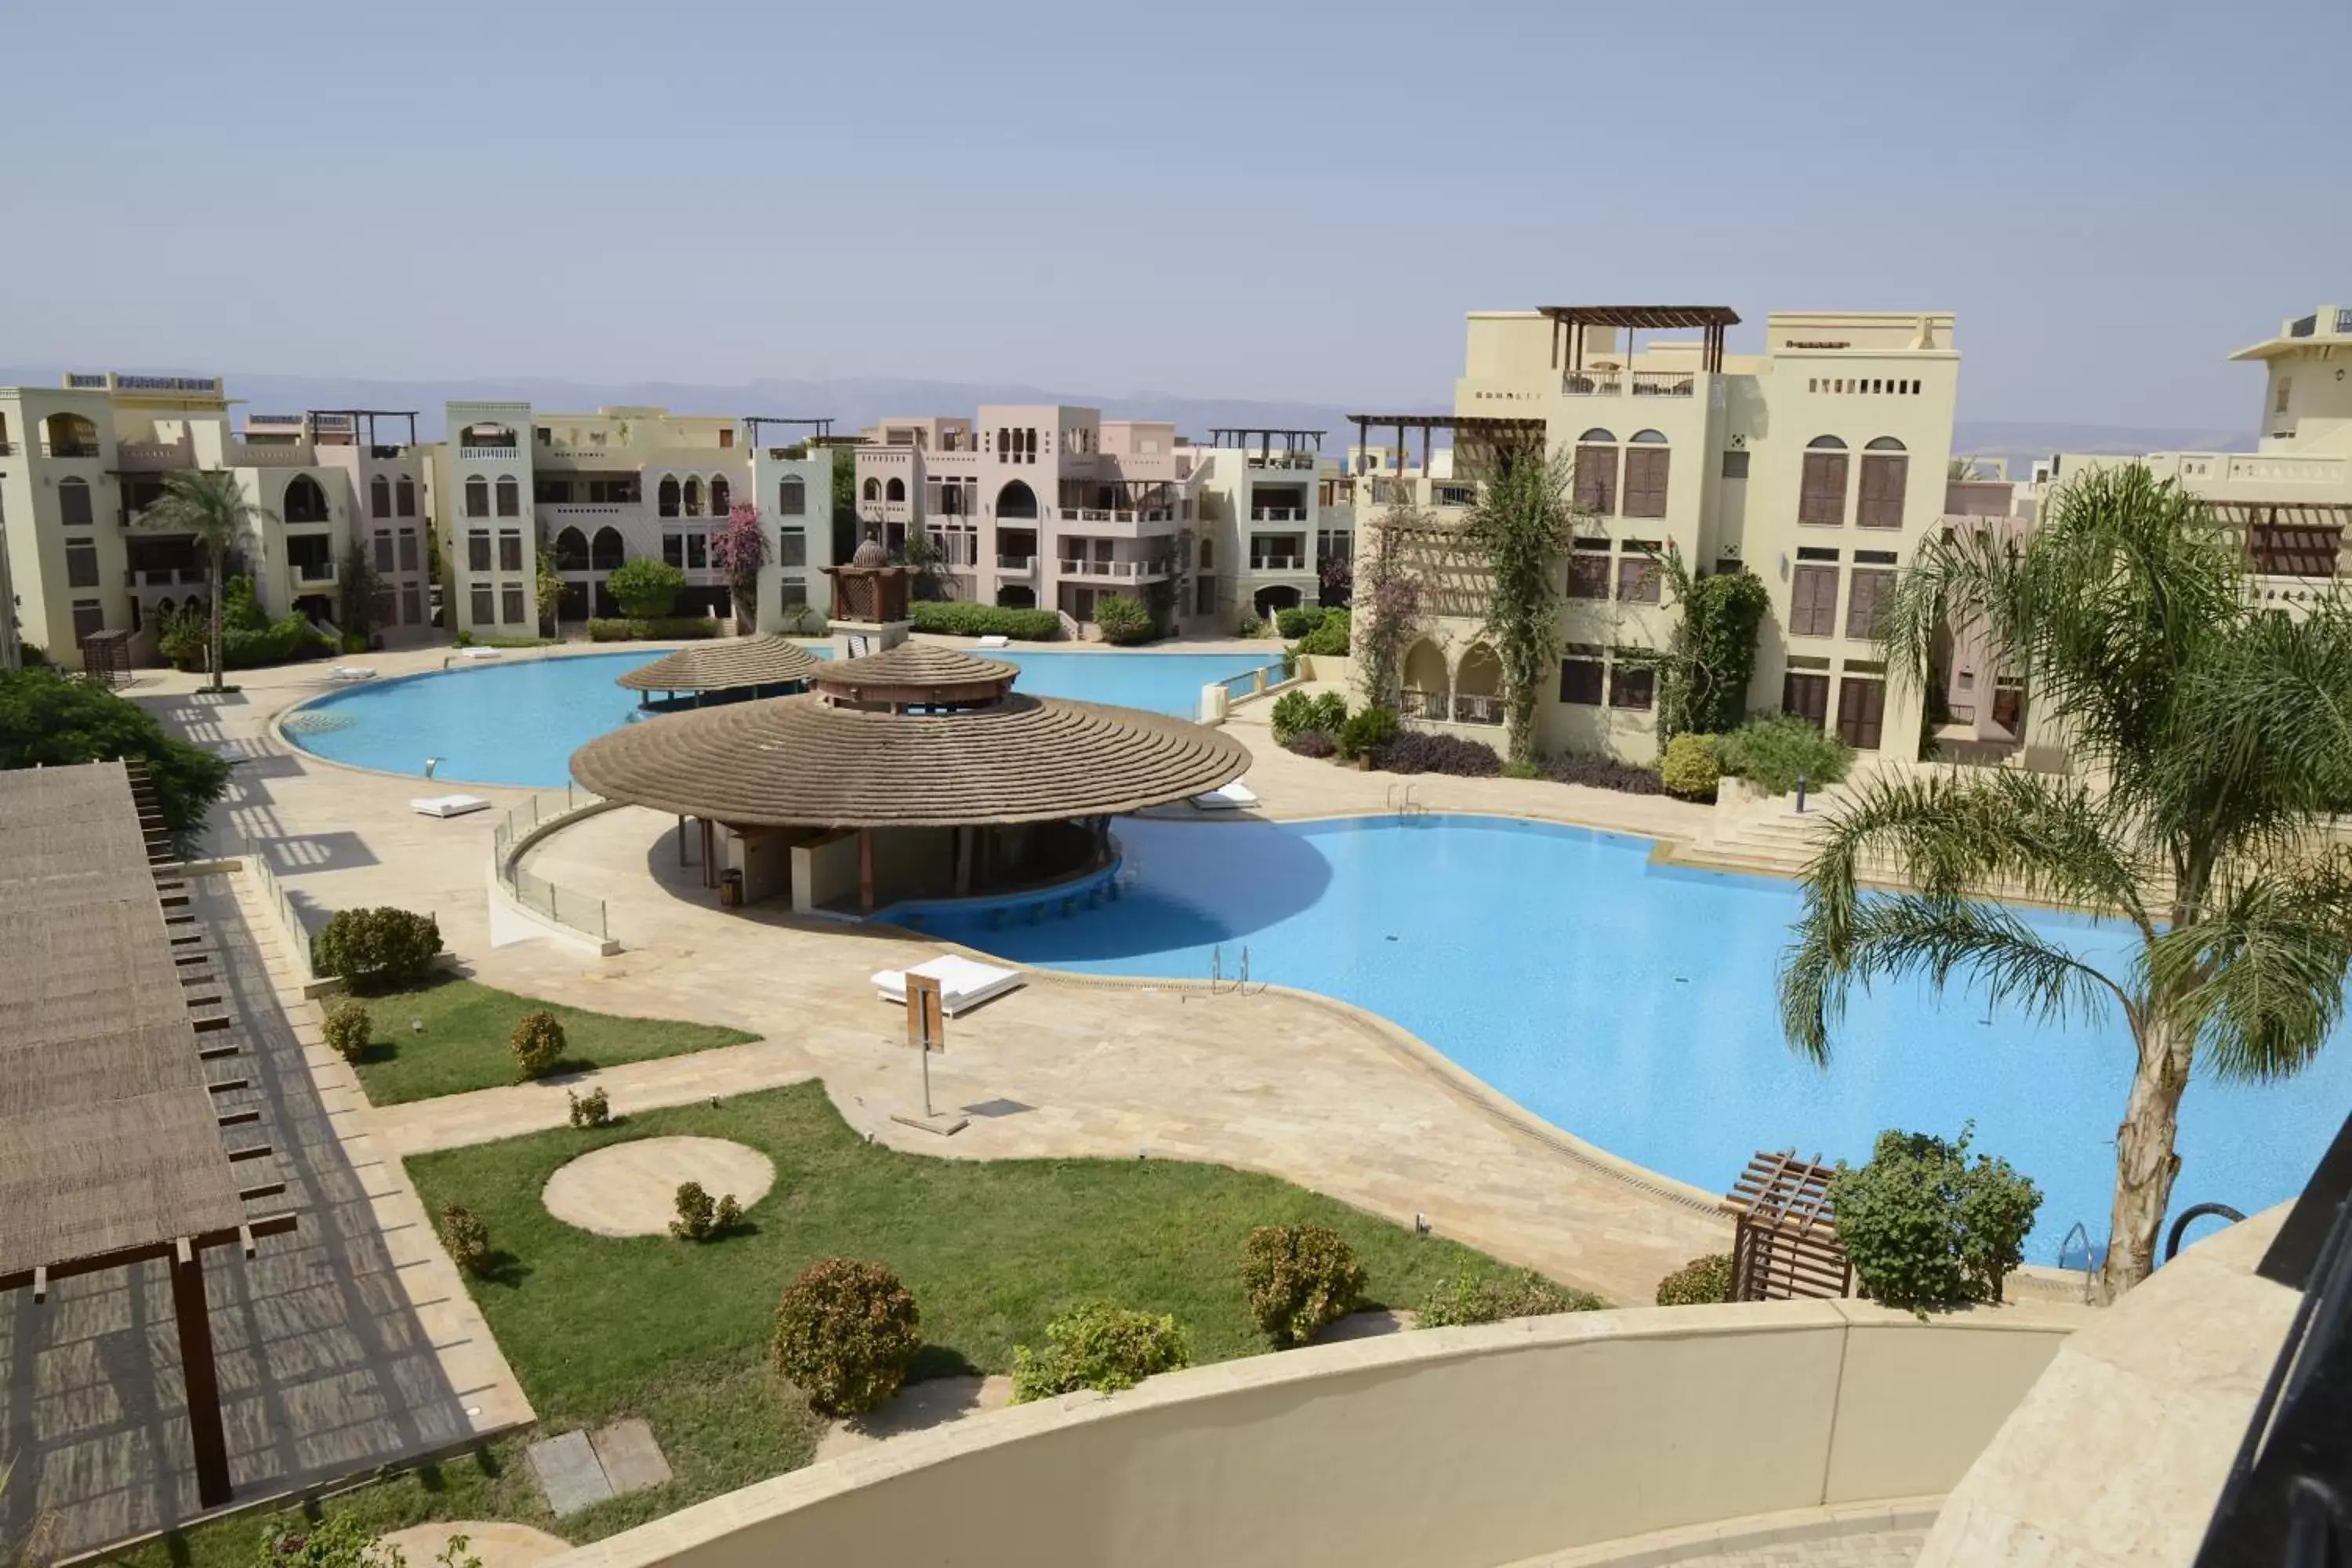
x,y
671,628
646,588
845,1333
1367,730
1700,1280
1522,768
1330,711
1247,624
1771,750
537,1043
1688,768
1418,751
1098,1346
1312,744
466,1237
1301,1278
349,1029
955,619
700,1218
1924,1227
1292,624
1295,712
377,949
1601,773
1123,621
1522,1293
1327,638
593,1108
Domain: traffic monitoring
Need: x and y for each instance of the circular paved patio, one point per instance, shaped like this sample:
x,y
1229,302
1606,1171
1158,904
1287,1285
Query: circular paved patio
x,y
498,1544
631,1189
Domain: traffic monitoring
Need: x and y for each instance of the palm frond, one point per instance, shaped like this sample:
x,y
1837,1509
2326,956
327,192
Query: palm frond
x,y
2259,980
1895,936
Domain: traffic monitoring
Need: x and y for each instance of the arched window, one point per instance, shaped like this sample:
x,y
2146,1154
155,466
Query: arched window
x,y
1821,499
665,498
692,491
1596,472
1016,499
1646,463
604,550
73,500
379,497
720,494
871,489
71,435
895,492
510,497
405,495
792,497
1886,471
478,496
305,500
572,551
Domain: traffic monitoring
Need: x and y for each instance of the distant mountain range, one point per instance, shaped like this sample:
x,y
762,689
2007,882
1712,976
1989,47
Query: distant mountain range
x,y
854,403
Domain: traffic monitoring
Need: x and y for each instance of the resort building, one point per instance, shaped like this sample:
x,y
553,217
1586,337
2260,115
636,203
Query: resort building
x,y
1818,464
80,464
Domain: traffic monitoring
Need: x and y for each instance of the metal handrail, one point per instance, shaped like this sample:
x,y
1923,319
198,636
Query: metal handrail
x,y
536,893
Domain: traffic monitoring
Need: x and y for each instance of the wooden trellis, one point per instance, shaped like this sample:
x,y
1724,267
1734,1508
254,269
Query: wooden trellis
x,y
1786,1244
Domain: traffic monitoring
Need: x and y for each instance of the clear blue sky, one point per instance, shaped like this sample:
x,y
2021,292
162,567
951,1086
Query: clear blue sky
x,y
1254,200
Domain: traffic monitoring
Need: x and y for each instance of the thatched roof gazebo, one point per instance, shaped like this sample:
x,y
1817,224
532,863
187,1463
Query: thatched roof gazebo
x,y
956,782
730,670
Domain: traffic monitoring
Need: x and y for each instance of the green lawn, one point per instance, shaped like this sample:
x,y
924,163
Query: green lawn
x,y
599,1327
464,1043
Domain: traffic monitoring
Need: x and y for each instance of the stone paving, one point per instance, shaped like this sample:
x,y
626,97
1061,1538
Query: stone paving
x,y
631,1188
1880,1549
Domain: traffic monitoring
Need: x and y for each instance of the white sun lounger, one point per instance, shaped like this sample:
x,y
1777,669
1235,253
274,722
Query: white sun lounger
x,y
478,653
1231,797
964,983
351,672
447,804
996,639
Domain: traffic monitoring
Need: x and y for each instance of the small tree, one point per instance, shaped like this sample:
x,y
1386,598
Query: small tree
x,y
1122,620
1521,527
210,504
737,552
645,589
1924,1227
49,719
357,584
547,581
699,1217
538,1042
1389,602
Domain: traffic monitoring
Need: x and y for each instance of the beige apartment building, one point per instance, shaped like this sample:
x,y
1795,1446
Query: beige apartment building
x,y
1818,464
1053,507
80,464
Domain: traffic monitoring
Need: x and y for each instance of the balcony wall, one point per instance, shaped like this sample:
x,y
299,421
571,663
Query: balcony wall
x,y
1441,1448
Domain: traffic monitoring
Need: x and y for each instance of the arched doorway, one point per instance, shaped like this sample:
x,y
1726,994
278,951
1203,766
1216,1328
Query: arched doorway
x,y
1272,600
1426,693
1016,499
1478,686
605,552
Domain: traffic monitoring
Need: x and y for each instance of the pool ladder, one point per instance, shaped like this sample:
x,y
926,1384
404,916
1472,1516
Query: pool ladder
x,y
1400,802
1238,986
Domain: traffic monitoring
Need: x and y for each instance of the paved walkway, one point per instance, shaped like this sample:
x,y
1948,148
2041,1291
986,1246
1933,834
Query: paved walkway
x,y
1280,1083
1880,1549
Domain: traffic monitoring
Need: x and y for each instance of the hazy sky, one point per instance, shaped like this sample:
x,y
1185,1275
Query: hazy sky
x,y
1236,200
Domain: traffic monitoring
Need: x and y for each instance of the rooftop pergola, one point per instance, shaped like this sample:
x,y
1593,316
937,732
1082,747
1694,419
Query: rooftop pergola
x,y
820,430
1569,322
1242,436
363,423
111,1029
1470,432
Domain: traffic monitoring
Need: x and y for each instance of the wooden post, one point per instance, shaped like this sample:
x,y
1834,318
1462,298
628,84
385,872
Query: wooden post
x,y
200,1374
866,869
963,860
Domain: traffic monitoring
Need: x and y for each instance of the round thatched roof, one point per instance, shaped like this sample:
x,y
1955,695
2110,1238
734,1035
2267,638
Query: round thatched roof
x,y
917,673
806,761
733,664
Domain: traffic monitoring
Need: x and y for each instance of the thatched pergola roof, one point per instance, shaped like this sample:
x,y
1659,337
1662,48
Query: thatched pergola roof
x,y
918,736
733,664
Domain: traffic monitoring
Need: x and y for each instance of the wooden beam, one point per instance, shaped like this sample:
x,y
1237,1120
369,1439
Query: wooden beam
x,y
201,1376
866,869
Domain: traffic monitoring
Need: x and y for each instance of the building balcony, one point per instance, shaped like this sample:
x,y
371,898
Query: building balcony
x,y
488,454
314,571
1476,709
1640,384
164,577
1129,571
1118,521
1277,564
1591,384
1665,384
1018,565
1429,705
1277,514
154,456
1288,460
69,449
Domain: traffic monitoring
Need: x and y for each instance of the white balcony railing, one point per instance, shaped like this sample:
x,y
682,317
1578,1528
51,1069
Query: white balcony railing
x,y
1277,514
1277,564
1591,384
314,572
488,454
1137,571
1024,564
1470,709
1114,514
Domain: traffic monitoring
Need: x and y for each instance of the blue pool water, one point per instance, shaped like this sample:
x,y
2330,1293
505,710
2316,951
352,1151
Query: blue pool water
x,y
519,722
1633,1005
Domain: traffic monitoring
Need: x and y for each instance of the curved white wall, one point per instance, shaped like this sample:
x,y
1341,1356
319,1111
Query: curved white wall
x,y
1446,1448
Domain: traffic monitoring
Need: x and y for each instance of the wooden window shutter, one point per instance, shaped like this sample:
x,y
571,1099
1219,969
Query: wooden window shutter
x,y
1823,500
1862,711
1645,481
1883,479
1866,602
1596,479
1813,609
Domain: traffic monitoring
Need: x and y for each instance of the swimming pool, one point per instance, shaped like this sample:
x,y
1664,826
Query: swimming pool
x,y
1633,1005
519,721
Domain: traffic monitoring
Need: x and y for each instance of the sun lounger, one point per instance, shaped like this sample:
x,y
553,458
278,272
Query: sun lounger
x,y
447,804
1231,797
478,653
996,639
964,983
351,672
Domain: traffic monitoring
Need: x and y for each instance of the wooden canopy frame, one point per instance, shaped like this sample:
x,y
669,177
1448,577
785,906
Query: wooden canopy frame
x,y
1785,1244
820,430
1470,431
1569,322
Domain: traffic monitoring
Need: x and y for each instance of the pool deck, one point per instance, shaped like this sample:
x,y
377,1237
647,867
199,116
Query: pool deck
x,y
1292,1085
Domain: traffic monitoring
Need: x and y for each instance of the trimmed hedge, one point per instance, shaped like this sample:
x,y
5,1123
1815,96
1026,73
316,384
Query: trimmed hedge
x,y
1688,768
1417,751
1601,773
1312,744
538,1044
845,1333
667,628
1366,731
949,618
1697,1282
1522,1294
377,948
1301,1278
1327,638
1771,750
1294,624
349,1030
1098,1346
1122,621
645,588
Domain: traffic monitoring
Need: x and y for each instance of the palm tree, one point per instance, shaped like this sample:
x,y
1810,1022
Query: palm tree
x,y
2213,742
209,504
